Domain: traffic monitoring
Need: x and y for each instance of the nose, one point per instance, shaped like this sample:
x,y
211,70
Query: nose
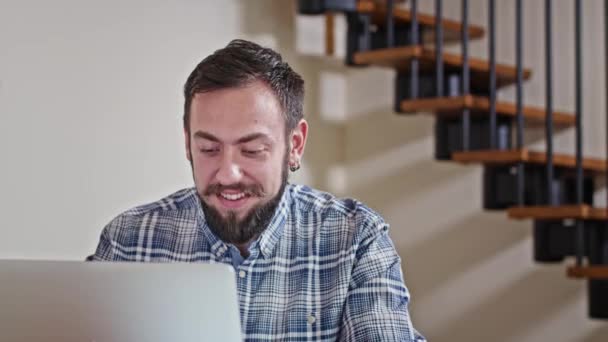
x,y
229,171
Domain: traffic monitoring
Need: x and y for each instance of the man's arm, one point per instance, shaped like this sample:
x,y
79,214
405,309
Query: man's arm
x,y
114,232
377,302
104,251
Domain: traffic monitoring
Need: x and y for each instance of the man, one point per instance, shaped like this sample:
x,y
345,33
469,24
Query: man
x,y
309,266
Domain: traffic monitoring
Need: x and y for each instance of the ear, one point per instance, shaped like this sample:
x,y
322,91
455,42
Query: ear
x,y
297,142
187,142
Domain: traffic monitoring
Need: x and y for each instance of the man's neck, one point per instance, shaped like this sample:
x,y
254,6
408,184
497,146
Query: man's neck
x,y
244,249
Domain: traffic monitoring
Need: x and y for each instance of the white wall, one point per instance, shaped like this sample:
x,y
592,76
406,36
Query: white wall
x,y
90,125
91,106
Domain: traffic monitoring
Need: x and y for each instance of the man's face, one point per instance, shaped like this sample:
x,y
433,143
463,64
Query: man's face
x,y
239,155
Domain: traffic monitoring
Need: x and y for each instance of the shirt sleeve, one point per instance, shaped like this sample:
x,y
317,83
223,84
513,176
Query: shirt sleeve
x,y
376,306
104,250
116,229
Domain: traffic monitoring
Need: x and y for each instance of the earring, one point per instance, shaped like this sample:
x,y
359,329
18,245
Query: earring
x,y
294,168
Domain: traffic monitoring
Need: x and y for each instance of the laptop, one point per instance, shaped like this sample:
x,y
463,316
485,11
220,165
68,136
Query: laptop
x,y
77,301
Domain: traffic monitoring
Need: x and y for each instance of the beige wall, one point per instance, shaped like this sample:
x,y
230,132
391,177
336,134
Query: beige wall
x,y
90,110
91,106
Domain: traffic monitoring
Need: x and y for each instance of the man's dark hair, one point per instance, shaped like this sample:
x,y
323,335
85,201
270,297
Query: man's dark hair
x,y
240,63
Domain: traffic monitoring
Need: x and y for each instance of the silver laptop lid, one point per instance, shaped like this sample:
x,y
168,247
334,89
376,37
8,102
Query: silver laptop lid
x,y
77,301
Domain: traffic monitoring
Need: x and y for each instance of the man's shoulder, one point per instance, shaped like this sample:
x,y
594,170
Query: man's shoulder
x,y
172,208
343,211
184,199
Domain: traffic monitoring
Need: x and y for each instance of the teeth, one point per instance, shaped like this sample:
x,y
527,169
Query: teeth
x,y
233,197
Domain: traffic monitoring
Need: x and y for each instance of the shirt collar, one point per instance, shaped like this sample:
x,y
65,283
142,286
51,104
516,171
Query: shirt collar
x,y
266,242
269,238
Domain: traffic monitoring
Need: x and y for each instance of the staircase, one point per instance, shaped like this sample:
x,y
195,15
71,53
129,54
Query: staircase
x,y
554,191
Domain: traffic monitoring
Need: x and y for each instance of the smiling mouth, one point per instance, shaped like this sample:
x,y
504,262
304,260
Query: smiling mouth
x,y
233,197
233,200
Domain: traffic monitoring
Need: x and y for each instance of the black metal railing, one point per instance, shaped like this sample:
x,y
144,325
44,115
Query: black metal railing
x,y
549,104
580,236
492,85
520,99
606,85
466,82
439,48
390,23
414,41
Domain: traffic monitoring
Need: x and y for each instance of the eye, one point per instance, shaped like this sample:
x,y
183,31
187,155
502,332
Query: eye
x,y
209,150
253,153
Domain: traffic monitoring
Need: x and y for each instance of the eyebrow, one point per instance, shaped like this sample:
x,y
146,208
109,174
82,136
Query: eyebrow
x,y
242,140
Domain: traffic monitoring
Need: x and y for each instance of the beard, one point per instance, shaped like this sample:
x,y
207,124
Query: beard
x,y
229,228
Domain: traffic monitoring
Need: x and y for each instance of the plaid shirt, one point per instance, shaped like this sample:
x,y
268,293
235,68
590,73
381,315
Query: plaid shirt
x,y
325,269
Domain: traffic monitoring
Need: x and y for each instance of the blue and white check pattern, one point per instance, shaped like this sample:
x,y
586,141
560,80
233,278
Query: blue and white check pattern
x,y
325,269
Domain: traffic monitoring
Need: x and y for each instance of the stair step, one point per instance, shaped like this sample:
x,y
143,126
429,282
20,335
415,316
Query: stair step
x,y
600,214
588,272
481,105
451,28
400,57
582,212
526,156
549,212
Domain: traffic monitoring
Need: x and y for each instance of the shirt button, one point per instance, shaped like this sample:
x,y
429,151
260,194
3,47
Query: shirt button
x,y
311,319
242,274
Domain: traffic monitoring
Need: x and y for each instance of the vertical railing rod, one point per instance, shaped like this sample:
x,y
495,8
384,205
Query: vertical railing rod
x,y
606,86
580,236
520,99
549,104
414,42
579,104
438,48
390,25
492,85
466,113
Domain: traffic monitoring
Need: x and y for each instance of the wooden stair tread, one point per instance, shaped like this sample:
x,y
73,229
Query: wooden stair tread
x,y
439,105
588,272
561,212
526,156
600,214
549,212
451,28
399,58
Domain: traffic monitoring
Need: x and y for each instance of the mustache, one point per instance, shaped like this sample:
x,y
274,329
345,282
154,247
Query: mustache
x,y
250,190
